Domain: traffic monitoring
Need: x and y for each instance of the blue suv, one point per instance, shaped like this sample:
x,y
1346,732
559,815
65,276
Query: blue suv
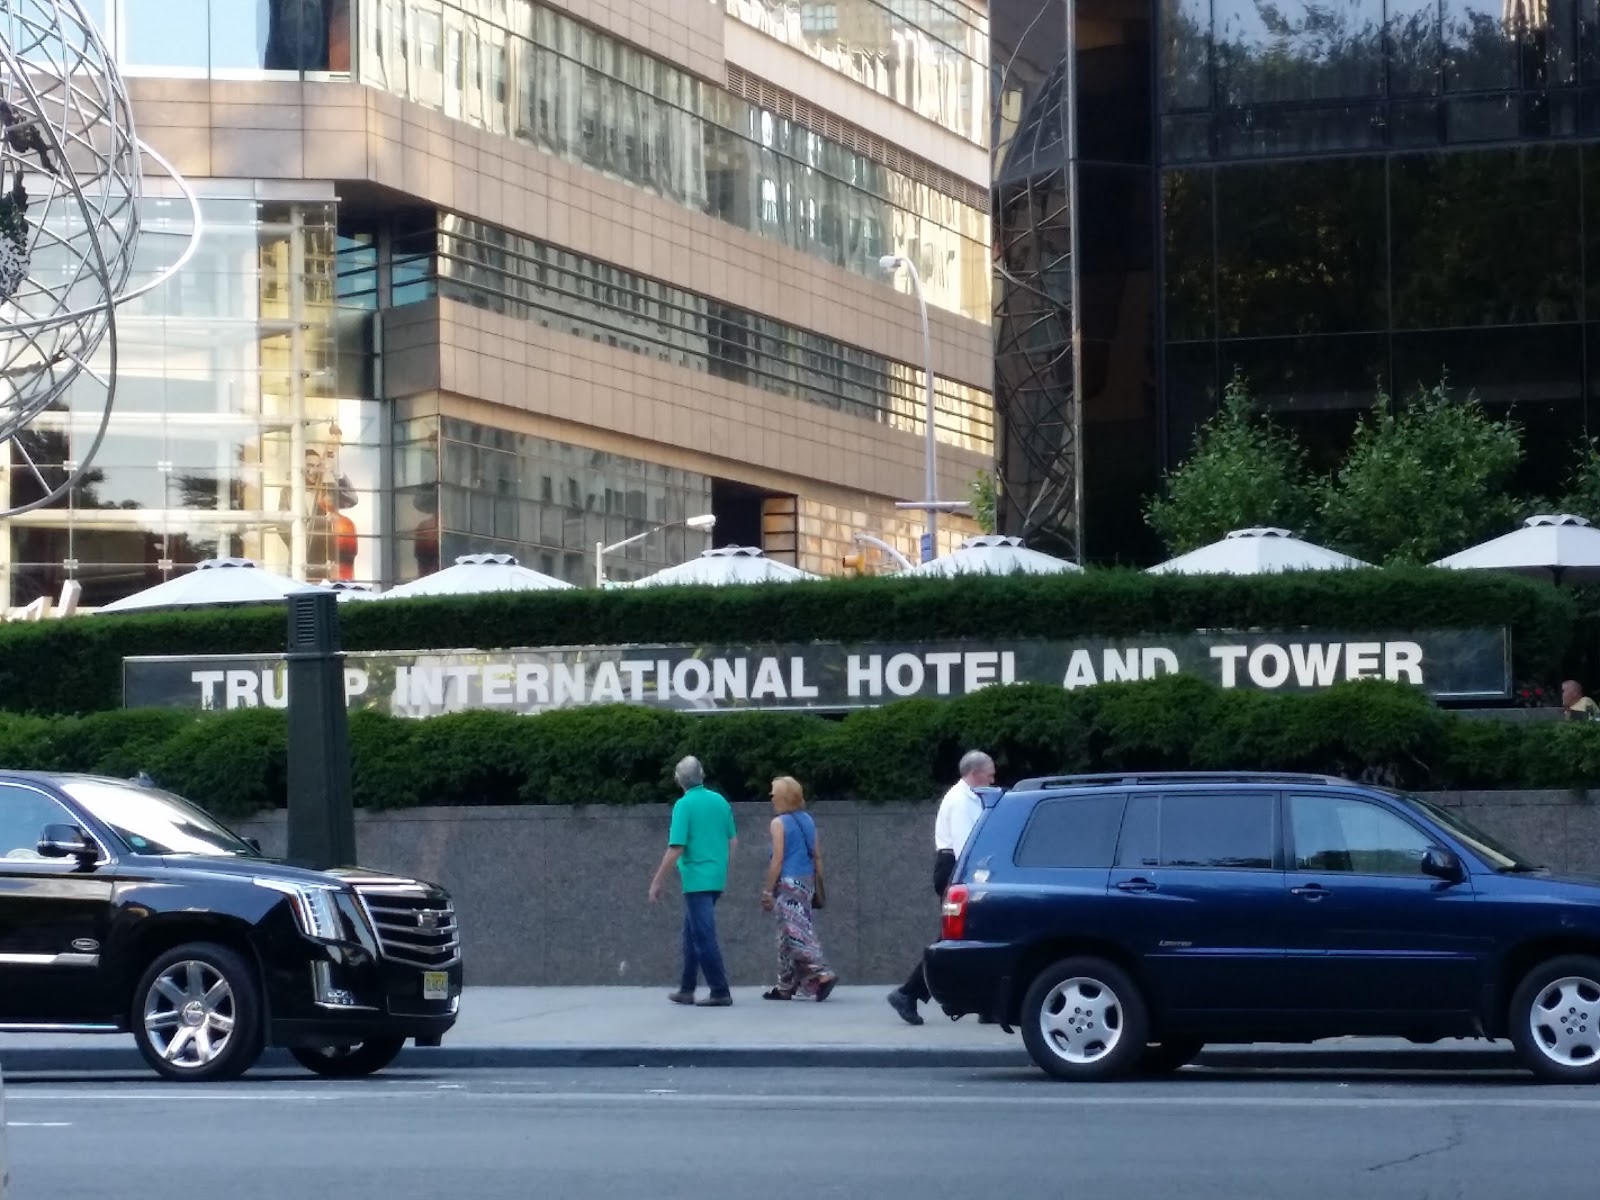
x,y
1124,921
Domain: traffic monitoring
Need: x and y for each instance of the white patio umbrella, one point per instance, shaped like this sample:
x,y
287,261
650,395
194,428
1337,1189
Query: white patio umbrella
x,y
476,575
991,554
726,565
344,590
1553,545
214,581
1256,552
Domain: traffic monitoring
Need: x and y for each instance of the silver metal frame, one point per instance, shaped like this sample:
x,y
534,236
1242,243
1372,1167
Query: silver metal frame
x,y
59,78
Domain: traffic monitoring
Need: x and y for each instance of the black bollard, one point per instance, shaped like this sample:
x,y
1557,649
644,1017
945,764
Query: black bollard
x,y
322,828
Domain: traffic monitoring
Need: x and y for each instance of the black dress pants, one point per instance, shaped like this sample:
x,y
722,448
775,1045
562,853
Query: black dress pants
x,y
916,984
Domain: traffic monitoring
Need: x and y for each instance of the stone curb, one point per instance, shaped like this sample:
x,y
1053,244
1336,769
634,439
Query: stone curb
x,y
124,1060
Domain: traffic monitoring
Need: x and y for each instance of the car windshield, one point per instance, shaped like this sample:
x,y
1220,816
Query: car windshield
x,y
1490,849
151,821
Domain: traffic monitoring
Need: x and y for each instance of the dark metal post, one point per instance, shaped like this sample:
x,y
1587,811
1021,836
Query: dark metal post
x,y
322,830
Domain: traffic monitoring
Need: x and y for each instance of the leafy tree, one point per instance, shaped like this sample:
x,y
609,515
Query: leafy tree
x,y
1582,497
1424,482
1244,472
985,493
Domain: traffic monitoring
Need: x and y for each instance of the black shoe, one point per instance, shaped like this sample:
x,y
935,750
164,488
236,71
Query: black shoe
x,y
905,1006
715,1001
681,997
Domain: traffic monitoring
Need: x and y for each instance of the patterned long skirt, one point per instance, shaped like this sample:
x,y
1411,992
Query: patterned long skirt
x,y
801,967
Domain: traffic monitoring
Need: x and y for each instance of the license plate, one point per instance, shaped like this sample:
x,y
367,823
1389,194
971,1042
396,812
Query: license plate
x,y
436,985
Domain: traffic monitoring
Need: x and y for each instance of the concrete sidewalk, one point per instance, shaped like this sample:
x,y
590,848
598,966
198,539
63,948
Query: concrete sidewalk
x,y
627,1026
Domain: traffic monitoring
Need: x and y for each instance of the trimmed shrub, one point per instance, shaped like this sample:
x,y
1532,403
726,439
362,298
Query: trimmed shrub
x,y
74,666
235,763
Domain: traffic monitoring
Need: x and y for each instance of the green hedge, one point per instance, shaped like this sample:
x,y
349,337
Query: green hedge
x,y
234,763
74,666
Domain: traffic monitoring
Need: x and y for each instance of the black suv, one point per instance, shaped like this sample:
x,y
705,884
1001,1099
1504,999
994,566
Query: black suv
x,y
1124,921
124,909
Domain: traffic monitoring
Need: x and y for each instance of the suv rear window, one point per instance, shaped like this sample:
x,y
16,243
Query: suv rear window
x,y
1072,831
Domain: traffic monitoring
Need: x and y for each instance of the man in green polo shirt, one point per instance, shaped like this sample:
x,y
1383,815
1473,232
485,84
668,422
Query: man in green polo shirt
x,y
700,842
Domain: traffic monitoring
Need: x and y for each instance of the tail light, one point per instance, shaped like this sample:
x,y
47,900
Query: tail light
x,y
955,913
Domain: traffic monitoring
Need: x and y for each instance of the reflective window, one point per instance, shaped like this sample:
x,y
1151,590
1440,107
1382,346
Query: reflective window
x,y
1190,255
1478,53
1353,837
1297,51
1140,842
591,99
166,33
1077,832
1185,54
223,38
1218,830
1486,237
932,56
489,267
1301,247
229,437
1314,387
1307,76
538,500
24,813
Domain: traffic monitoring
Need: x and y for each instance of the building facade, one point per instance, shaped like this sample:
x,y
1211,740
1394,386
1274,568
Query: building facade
x,y
526,276
1335,202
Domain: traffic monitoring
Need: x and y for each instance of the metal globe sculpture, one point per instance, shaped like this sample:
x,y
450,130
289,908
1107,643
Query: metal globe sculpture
x,y
71,169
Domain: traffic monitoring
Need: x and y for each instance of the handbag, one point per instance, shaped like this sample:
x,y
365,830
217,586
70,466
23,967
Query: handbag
x,y
818,897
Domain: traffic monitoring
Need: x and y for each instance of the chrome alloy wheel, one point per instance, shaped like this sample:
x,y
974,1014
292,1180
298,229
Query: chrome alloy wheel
x,y
189,1014
1081,1020
1565,1021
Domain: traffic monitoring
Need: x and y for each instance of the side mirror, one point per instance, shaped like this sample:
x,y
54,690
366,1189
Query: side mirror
x,y
1443,864
254,844
67,841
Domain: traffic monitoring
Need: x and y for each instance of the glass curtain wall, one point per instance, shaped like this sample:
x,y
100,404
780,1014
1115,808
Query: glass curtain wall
x,y
1242,80
544,78
464,488
231,435
1326,280
931,56
228,39
492,268
1429,173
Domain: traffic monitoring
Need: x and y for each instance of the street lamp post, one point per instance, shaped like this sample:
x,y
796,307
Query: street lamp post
x,y
890,263
703,522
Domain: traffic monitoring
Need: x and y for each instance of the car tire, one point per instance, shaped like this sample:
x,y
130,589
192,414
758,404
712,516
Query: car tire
x,y
1083,1020
196,1014
1555,1019
349,1062
1169,1055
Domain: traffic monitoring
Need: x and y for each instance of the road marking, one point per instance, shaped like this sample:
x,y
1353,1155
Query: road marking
x,y
1097,1098
38,1124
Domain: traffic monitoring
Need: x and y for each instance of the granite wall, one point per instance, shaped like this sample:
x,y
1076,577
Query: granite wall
x,y
557,895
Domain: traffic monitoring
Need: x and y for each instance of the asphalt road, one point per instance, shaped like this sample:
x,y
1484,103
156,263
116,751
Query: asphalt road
x,y
616,1134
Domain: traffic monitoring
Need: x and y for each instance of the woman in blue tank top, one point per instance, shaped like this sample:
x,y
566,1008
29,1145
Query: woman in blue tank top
x,y
794,877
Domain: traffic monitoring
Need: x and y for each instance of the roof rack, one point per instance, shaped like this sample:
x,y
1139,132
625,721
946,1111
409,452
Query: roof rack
x,y
1133,778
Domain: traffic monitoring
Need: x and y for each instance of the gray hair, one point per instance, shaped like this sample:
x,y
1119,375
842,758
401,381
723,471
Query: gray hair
x,y
974,760
689,773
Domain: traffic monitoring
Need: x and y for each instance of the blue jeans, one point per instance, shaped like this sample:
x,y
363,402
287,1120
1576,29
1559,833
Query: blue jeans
x,y
700,949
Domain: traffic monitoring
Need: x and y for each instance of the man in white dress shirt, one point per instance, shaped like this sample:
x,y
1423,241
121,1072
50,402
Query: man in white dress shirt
x,y
958,815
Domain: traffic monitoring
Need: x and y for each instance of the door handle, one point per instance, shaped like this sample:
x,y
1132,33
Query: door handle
x,y
1135,885
1312,891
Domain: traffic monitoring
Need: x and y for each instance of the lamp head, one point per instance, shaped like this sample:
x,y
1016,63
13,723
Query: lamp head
x,y
889,264
703,522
